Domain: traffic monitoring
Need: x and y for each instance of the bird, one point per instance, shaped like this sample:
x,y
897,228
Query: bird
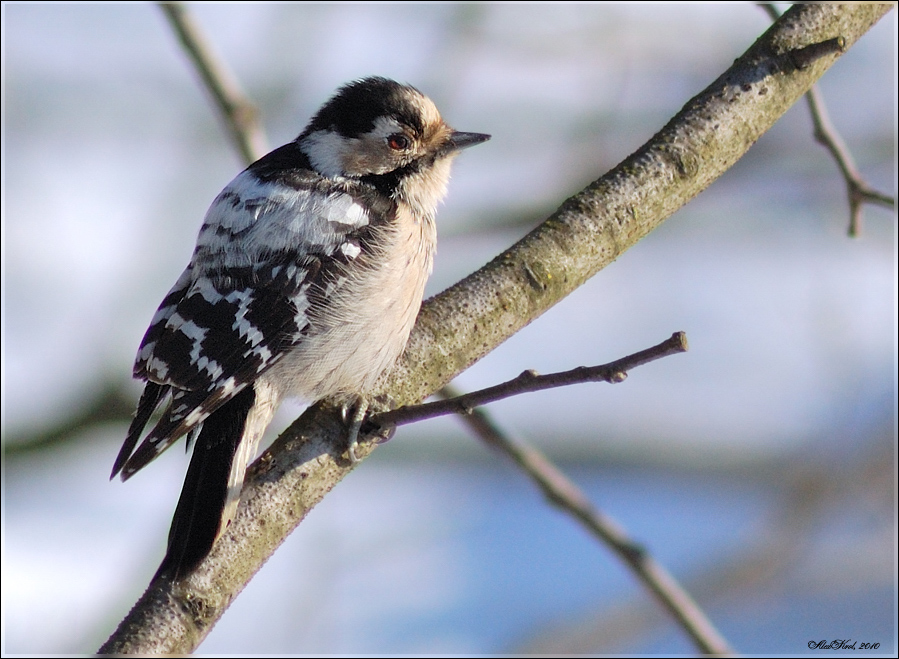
x,y
305,282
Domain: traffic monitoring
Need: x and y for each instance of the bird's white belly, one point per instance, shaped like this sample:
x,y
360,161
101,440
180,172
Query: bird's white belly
x,y
366,328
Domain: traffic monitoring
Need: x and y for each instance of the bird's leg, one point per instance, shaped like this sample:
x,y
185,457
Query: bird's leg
x,y
354,412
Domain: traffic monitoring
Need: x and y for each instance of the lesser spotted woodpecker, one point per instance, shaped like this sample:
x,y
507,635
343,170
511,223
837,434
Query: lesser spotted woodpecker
x,y
307,276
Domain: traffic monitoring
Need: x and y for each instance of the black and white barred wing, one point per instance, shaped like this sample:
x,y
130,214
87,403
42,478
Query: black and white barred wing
x,y
240,306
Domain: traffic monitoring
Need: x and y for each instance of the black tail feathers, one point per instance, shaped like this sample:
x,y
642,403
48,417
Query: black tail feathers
x,y
211,488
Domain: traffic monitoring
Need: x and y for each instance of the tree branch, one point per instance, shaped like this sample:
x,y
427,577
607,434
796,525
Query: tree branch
x,y
240,115
858,191
464,323
809,495
564,494
530,381
112,402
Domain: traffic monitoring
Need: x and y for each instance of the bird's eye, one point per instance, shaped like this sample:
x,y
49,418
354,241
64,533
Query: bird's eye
x,y
398,142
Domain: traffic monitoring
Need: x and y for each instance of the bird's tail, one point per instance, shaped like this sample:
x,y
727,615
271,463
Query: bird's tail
x,y
211,492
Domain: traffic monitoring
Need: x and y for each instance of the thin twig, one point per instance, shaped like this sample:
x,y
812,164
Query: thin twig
x,y
563,493
858,191
238,113
530,381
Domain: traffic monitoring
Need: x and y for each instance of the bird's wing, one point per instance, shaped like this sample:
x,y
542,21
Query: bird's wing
x,y
264,255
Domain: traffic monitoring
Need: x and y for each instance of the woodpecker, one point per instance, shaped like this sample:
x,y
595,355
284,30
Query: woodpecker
x,y
307,276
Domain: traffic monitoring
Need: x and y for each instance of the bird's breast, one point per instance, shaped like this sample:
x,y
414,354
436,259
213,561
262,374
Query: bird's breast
x,y
365,322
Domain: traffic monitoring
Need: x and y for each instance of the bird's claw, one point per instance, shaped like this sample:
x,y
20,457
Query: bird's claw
x,y
353,415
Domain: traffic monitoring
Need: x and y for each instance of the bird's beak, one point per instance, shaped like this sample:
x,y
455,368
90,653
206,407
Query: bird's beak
x,y
459,140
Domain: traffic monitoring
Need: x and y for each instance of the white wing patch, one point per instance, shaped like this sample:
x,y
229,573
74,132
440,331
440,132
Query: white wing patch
x,y
251,219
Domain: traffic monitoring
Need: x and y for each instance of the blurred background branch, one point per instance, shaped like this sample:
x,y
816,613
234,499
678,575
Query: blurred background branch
x,y
560,491
113,403
782,556
858,191
238,113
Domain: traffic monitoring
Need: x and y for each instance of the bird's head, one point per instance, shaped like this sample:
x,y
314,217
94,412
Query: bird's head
x,y
375,127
